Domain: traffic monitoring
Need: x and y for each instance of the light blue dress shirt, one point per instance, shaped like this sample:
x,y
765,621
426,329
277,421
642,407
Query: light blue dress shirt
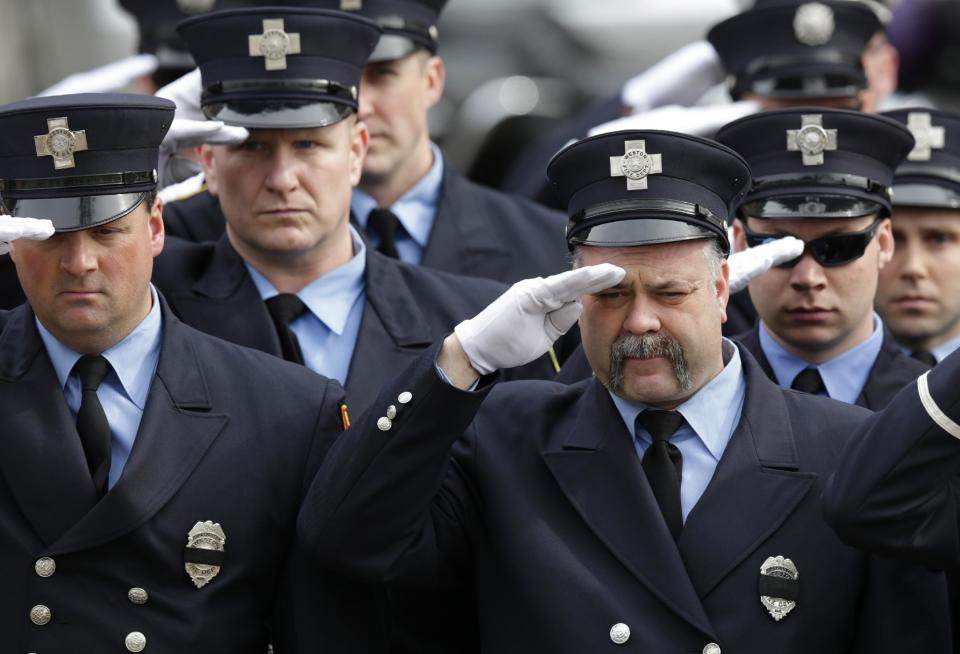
x,y
844,376
416,211
711,416
328,330
123,392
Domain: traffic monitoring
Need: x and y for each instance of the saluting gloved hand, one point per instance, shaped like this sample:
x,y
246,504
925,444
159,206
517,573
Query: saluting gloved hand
x,y
190,127
112,76
13,228
753,262
523,323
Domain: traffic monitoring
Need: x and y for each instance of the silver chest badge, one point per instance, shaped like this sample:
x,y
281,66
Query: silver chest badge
x,y
203,555
779,586
811,140
813,24
928,136
636,164
274,44
60,143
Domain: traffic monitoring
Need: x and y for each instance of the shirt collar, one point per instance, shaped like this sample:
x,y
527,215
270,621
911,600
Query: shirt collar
x,y
940,352
721,397
844,376
330,297
946,348
415,209
134,359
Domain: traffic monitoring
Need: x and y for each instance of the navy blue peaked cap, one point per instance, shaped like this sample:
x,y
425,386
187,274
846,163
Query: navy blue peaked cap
x,y
407,24
817,163
794,50
644,187
930,176
279,67
80,160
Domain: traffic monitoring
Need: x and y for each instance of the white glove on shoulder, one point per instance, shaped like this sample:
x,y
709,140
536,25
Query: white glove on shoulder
x,y
31,228
523,323
753,262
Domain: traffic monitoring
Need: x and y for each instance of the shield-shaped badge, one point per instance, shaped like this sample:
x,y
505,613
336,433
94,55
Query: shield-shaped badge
x,y
203,555
779,586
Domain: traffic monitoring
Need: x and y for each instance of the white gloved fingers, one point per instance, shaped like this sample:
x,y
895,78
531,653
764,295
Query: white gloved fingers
x,y
568,286
30,228
12,229
185,133
749,264
560,321
185,92
112,76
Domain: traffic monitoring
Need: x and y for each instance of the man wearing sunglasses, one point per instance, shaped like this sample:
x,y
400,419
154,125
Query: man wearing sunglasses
x,y
823,176
919,294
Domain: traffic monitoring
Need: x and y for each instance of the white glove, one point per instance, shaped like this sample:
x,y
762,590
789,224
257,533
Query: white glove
x,y
190,127
523,323
13,228
700,120
753,262
681,77
113,76
186,133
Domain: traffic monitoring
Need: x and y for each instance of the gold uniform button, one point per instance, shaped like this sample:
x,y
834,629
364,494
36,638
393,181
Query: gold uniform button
x,y
40,615
45,567
137,596
135,641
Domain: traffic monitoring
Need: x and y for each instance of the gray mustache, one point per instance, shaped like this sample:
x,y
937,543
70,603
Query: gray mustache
x,y
647,346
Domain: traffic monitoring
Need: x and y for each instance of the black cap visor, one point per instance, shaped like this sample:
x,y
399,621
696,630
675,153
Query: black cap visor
x,y
393,46
76,213
286,114
925,195
812,205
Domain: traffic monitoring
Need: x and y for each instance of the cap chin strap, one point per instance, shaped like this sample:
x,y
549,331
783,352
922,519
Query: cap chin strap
x,y
939,417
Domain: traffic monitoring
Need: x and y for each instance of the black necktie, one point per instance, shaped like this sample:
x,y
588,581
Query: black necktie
x,y
284,309
92,422
809,381
926,356
663,464
385,224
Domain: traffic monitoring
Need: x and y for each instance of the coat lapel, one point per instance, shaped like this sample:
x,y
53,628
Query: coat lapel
x,y
890,373
393,331
460,240
225,302
177,429
751,342
40,452
755,488
599,471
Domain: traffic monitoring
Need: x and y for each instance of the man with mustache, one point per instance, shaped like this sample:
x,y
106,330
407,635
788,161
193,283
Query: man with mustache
x,y
823,175
671,503
919,293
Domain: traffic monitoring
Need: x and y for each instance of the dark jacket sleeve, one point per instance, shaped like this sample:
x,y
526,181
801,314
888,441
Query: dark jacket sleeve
x,y
897,489
394,504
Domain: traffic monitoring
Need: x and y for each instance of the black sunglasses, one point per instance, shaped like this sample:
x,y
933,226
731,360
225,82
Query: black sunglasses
x,y
835,250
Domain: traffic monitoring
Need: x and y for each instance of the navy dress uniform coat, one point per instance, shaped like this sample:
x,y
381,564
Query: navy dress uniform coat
x,y
897,487
477,231
406,309
11,294
228,435
543,502
890,373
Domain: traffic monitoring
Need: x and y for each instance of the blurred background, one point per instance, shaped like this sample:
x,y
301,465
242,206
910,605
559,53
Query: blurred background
x,y
515,68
